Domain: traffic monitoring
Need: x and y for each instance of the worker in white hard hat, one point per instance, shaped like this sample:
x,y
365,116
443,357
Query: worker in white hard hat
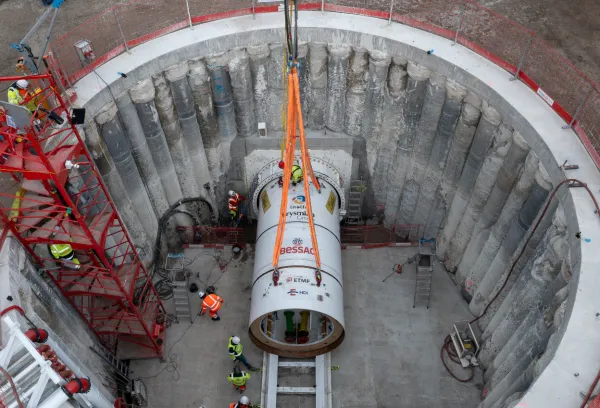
x,y
236,349
211,302
18,93
234,202
244,402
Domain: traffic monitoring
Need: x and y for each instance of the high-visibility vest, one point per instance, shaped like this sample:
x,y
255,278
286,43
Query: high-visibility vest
x,y
238,405
234,202
212,302
296,173
239,381
61,251
235,350
16,96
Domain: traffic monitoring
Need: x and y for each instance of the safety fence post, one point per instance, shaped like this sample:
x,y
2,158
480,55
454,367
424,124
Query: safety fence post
x,y
187,5
253,8
322,6
391,11
121,31
460,20
522,60
584,100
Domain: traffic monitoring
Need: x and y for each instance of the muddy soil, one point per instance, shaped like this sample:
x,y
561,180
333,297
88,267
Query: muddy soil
x,y
571,26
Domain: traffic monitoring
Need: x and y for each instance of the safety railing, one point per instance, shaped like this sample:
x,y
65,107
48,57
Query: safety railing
x,y
211,236
511,46
375,236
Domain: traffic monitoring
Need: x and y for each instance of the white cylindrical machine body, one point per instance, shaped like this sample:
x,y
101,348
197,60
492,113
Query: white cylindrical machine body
x,y
297,317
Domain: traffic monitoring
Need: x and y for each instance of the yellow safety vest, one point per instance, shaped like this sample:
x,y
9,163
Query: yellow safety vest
x,y
296,173
15,98
239,381
235,350
62,251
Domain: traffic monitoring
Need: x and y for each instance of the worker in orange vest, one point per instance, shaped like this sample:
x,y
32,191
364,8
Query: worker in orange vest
x,y
234,202
212,302
244,402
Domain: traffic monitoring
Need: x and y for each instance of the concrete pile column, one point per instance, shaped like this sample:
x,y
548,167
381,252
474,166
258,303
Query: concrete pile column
x,y
429,120
379,63
482,140
531,338
528,288
481,192
118,147
492,237
243,98
459,149
184,104
413,103
205,114
173,133
141,154
259,57
355,91
142,95
118,193
277,84
337,73
439,151
390,127
522,379
317,94
223,100
526,370
303,75
498,309
554,341
497,271
510,172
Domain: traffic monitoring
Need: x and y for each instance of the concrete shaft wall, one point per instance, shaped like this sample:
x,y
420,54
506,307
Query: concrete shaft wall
x,y
432,150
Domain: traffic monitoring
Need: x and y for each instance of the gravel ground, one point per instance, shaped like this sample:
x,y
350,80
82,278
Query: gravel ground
x,y
573,27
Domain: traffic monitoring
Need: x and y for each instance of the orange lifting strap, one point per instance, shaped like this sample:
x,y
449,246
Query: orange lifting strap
x,y
294,122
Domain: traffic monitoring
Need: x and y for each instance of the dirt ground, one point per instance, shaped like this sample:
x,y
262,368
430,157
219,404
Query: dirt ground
x,y
572,26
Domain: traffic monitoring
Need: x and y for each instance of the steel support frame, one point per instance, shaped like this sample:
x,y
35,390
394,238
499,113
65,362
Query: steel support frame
x,y
103,268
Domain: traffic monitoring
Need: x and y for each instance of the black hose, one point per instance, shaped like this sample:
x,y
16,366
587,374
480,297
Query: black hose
x,y
162,223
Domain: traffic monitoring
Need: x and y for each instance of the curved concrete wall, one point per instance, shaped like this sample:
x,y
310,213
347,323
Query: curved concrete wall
x,y
443,140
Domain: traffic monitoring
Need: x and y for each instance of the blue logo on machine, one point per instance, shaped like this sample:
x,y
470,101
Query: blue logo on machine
x,y
297,241
299,200
294,292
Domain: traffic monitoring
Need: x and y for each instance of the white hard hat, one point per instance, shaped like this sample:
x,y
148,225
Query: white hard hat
x,y
22,83
231,193
235,340
201,294
245,400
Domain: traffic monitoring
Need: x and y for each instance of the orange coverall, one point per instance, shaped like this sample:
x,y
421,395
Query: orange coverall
x,y
213,303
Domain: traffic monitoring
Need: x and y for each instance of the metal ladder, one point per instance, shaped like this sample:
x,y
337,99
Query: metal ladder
x,y
355,199
120,367
424,276
270,379
179,283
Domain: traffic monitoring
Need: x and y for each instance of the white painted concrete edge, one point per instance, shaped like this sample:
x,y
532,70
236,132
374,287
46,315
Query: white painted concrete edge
x,y
575,363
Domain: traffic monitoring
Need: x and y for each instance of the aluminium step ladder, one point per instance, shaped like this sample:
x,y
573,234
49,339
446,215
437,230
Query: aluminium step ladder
x,y
355,200
424,276
322,384
121,369
179,285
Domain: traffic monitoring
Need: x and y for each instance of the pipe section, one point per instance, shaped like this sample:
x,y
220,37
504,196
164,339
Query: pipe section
x,y
305,303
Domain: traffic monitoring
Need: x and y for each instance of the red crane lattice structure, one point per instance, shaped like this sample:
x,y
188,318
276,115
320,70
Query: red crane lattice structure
x,y
61,199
